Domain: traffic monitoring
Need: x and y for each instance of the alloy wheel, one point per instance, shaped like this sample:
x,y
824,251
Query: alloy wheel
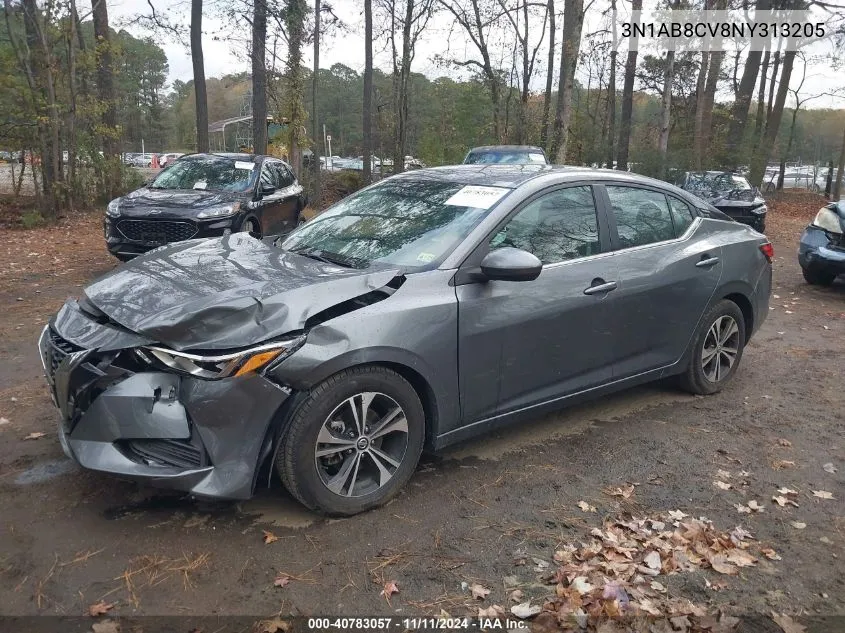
x,y
720,349
361,444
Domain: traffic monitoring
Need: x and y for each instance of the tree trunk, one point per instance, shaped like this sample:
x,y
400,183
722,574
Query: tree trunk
x,y
627,101
368,90
782,170
547,98
700,84
573,21
295,25
772,84
761,98
837,186
107,98
761,156
315,121
259,77
713,70
199,76
611,96
666,111
404,81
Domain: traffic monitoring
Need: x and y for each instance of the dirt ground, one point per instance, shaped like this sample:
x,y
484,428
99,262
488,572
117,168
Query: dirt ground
x,y
492,512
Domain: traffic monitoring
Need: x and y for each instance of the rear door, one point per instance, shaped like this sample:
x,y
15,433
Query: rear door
x,y
668,272
290,192
524,343
270,204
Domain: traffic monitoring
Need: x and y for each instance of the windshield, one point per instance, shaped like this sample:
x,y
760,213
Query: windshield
x,y
716,182
404,222
506,157
212,173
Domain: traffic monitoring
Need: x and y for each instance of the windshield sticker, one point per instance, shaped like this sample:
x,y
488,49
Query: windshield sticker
x,y
200,184
241,164
425,258
478,197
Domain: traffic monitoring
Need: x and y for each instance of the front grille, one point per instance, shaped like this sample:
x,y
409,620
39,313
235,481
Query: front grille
x,y
175,453
157,231
59,348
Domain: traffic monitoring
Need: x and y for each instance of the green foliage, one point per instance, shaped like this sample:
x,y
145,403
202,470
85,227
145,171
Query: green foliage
x,y
32,219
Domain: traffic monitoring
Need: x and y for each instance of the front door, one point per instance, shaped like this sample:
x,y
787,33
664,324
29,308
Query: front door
x,y
668,269
524,343
270,204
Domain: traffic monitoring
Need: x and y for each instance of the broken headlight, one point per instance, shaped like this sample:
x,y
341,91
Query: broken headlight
x,y
828,220
216,366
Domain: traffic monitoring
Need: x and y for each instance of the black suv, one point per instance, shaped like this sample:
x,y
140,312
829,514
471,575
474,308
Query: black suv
x,y
204,195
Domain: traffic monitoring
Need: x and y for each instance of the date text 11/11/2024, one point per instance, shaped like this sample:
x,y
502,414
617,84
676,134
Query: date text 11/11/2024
x,y
416,624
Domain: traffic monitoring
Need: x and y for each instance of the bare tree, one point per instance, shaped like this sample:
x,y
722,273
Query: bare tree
x,y
259,77
666,110
611,91
550,76
198,62
368,90
761,96
527,55
475,18
294,21
573,22
315,119
627,100
764,150
837,186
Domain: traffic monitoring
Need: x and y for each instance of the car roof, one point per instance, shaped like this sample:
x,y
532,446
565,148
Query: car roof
x,y
506,148
233,155
512,176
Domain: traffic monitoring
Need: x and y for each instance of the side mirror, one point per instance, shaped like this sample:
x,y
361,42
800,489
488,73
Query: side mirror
x,y
511,264
266,190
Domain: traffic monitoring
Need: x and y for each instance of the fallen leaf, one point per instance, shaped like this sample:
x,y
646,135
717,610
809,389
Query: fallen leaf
x,y
580,584
269,537
3,421
494,611
625,492
677,514
586,507
781,501
742,509
787,624
741,558
769,553
657,586
525,610
798,525
106,626
276,625
822,494
478,591
652,560
390,587
723,474
282,580
755,505
99,608
516,595
828,468
783,463
35,435
722,485
788,492
784,442
721,565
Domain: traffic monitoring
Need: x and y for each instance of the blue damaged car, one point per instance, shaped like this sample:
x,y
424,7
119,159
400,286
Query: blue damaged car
x,y
821,252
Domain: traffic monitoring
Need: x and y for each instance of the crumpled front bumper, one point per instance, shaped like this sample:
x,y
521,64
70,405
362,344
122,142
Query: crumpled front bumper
x,y
201,436
817,253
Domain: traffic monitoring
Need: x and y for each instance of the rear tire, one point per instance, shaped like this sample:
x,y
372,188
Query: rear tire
x,y
334,465
818,277
252,226
716,349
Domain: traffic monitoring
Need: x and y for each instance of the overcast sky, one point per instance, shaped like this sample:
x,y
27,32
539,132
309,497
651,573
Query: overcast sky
x,y
227,54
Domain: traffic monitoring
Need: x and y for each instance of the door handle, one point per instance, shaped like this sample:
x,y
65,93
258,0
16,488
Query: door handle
x,y
707,262
601,287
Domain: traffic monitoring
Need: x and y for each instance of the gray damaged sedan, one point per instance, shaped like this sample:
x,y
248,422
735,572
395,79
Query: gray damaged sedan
x,y
429,308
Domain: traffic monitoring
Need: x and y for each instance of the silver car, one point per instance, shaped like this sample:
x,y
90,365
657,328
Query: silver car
x,y
426,309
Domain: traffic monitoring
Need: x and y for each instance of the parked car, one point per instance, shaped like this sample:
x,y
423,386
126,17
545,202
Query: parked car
x,y
134,159
821,251
731,194
431,307
510,154
169,157
204,195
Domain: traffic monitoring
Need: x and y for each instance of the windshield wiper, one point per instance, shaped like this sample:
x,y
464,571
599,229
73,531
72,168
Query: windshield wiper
x,y
329,258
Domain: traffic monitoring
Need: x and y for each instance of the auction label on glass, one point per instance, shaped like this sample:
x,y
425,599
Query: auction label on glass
x,y
477,196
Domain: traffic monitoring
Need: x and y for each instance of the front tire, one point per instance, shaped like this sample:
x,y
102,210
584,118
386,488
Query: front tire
x,y
716,349
252,226
818,277
353,442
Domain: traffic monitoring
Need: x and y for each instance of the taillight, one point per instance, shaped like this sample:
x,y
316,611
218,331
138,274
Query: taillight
x,y
768,250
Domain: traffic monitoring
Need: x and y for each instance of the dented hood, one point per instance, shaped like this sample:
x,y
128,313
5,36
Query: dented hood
x,y
225,293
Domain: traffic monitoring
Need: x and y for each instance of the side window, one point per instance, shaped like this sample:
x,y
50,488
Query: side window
x,y
642,216
682,215
268,176
286,178
558,226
